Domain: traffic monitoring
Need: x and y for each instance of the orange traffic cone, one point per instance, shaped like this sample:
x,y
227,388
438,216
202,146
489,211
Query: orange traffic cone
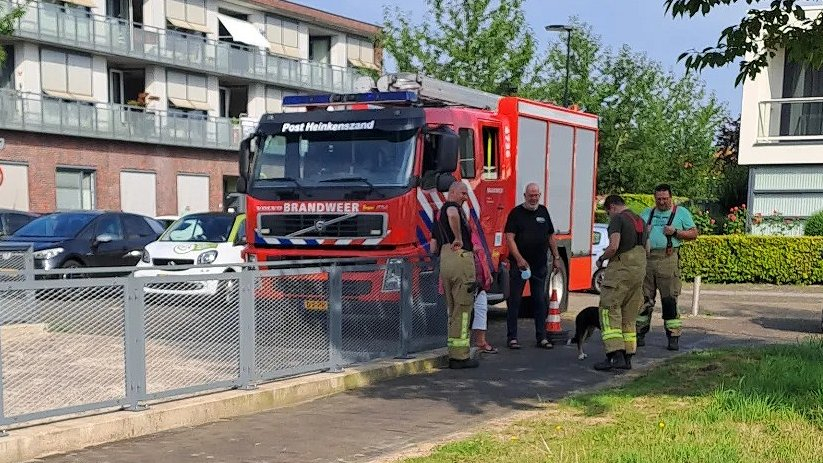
x,y
554,331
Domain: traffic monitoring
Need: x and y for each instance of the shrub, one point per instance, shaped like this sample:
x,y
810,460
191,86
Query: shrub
x,y
706,225
814,225
736,220
754,259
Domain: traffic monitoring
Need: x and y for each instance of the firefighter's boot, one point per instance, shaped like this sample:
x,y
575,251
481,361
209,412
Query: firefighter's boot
x,y
673,343
616,359
641,339
627,365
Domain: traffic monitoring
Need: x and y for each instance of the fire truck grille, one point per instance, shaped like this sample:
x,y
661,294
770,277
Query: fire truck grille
x,y
356,226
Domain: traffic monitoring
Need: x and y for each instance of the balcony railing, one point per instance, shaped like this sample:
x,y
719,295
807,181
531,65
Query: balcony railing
x,y
53,24
790,119
44,114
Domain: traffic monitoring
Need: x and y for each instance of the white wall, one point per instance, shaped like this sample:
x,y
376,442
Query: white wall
x,y
27,67
768,85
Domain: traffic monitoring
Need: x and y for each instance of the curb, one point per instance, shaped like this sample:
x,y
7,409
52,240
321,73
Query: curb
x,y
77,433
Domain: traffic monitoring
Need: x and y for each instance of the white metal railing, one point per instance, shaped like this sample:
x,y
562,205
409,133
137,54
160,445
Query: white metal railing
x,y
34,112
790,119
53,24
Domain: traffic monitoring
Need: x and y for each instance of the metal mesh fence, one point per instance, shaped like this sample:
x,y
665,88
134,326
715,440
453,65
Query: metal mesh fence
x,y
429,313
371,315
291,324
72,344
192,333
62,347
14,263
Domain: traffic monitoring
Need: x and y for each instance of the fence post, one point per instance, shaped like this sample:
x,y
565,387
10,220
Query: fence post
x,y
135,339
335,318
406,308
696,295
3,421
247,303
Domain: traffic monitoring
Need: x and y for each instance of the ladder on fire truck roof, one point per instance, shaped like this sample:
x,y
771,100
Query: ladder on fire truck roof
x,y
438,92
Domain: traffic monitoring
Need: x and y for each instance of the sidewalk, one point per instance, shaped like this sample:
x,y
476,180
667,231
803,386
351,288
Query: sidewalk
x,y
367,424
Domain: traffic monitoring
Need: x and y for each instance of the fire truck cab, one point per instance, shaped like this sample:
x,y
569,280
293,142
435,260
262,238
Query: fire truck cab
x,y
364,175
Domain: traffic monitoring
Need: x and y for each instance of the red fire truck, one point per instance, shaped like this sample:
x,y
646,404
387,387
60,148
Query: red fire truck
x,y
364,175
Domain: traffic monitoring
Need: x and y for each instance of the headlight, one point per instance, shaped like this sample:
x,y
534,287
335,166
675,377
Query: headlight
x,y
251,257
207,257
146,257
47,254
393,276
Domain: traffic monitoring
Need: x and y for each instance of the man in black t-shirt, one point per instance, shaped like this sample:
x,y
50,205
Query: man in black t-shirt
x,y
457,273
529,235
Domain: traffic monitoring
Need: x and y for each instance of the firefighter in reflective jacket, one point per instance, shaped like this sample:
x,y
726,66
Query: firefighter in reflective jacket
x,y
669,226
621,294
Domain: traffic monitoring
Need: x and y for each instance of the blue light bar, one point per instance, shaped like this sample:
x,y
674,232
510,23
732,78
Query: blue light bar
x,y
350,98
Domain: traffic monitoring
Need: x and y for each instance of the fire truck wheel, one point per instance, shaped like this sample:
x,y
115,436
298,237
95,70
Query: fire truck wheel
x,y
558,280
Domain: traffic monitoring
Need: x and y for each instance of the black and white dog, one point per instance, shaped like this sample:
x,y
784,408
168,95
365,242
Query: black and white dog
x,y
585,323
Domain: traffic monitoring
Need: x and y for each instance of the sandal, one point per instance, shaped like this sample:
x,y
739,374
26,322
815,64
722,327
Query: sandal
x,y
513,344
545,344
487,349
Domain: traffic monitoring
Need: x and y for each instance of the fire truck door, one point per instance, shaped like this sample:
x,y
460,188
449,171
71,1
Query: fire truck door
x,y
491,193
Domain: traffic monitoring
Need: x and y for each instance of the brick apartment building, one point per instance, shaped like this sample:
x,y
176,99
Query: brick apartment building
x,y
141,105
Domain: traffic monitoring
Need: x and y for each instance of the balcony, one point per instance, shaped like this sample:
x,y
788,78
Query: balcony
x,y
790,120
44,114
50,24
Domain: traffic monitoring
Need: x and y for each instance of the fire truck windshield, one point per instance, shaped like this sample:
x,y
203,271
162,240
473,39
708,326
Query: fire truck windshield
x,y
352,159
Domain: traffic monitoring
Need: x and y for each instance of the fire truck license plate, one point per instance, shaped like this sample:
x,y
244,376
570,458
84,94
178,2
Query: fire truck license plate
x,y
316,305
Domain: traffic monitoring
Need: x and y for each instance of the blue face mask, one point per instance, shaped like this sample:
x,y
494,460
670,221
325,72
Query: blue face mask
x,y
526,273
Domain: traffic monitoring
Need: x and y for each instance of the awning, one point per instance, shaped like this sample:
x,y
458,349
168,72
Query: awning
x,y
363,64
87,3
188,25
244,32
190,104
287,52
70,96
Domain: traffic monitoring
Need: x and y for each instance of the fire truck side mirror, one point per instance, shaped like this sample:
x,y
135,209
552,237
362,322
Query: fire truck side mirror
x,y
245,160
447,152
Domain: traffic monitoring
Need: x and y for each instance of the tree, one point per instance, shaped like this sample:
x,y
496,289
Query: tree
x,y
760,34
9,15
734,178
467,42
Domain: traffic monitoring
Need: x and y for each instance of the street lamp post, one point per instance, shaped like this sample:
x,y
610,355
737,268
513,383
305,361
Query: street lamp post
x,y
568,30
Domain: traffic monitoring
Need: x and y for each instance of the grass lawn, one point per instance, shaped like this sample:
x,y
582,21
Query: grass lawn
x,y
738,405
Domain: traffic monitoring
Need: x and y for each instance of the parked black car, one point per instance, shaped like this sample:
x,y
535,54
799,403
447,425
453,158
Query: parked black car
x,y
86,239
11,220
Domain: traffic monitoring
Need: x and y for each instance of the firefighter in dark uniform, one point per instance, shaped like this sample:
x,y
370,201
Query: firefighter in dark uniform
x,y
668,227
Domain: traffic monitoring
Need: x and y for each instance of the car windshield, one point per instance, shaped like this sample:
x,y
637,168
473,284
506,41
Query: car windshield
x,y
65,225
200,228
373,157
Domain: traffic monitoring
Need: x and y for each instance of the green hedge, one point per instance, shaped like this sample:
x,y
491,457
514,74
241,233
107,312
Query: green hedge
x,y
784,260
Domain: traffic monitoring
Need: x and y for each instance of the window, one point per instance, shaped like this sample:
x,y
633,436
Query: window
x,y
116,93
491,153
466,153
801,81
360,52
320,49
283,36
75,189
66,75
187,91
7,68
136,227
187,14
15,221
241,231
110,224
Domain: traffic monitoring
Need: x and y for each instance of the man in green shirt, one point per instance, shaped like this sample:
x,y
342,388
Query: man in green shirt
x,y
668,227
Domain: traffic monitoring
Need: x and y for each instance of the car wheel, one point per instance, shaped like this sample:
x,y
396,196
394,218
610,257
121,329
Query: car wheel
x,y
71,264
597,280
